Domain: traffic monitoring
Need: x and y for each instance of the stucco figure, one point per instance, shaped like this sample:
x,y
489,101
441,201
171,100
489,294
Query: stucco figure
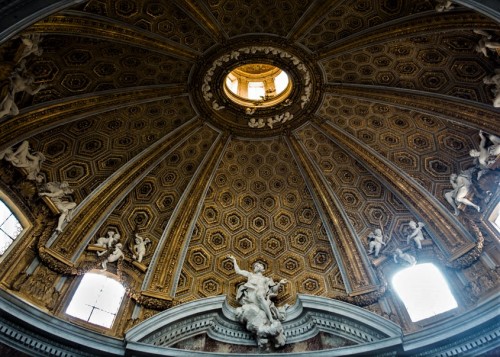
x,y
444,5
258,312
113,257
494,80
23,84
375,242
487,154
107,242
416,233
140,247
462,185
59,193
31,45
484,45
23,158
405,257
8,106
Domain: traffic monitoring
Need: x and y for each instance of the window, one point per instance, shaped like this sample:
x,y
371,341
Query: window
x,y
281,82
256,90
10,227
97,299
232,83
495,217
424,291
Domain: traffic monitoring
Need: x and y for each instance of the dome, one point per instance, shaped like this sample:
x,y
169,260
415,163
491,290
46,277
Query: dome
x,y
284,133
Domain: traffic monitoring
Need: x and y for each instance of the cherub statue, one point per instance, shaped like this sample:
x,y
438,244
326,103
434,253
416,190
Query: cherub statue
x,y
486,155
444,5
22,158
19,84
8,106
409,259
494,80
59,193
31,45
461,188
107,242
416,234
258,311
375,242
113,257
216,106
485,42
140,247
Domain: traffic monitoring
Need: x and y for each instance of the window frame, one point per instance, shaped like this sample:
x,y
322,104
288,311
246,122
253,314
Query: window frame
x,y
20,216
88,324
433,318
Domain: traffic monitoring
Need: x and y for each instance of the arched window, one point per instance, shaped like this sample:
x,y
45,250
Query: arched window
x,y
424,291
10,227
97,299
495,217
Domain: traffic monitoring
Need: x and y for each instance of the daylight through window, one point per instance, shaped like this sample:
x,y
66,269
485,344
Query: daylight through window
x,y
10,227
424,291
97,300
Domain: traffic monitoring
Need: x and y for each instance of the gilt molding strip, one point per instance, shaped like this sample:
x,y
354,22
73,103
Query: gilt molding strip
x,y
455,241
315,12
95,26
46,116
361,279
163,275
460,111
198,11
418,25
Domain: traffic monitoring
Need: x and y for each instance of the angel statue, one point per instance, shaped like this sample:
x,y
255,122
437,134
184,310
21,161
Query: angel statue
x,y
405,257
139,249
23,158
59,193
462,186
416,233
487,154
258,312
113,257
107,242
375,242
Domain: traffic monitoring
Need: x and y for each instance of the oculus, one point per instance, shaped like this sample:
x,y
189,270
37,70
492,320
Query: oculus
x,y
257,85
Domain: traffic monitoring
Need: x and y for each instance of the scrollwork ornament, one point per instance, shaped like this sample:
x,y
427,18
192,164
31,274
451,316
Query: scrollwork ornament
x,y
471,256
369,298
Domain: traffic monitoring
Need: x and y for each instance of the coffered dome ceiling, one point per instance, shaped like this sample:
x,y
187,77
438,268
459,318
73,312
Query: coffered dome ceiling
x,y
386,101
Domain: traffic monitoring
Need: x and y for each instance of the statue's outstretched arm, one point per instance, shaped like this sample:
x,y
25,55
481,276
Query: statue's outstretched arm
x,y
237,268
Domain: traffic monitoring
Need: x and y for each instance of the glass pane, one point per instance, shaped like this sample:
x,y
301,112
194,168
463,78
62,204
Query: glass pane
x,y
424,291
79,310
12,227
112,295
4,212
280,82
97,299
256,90
102,318
5,242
